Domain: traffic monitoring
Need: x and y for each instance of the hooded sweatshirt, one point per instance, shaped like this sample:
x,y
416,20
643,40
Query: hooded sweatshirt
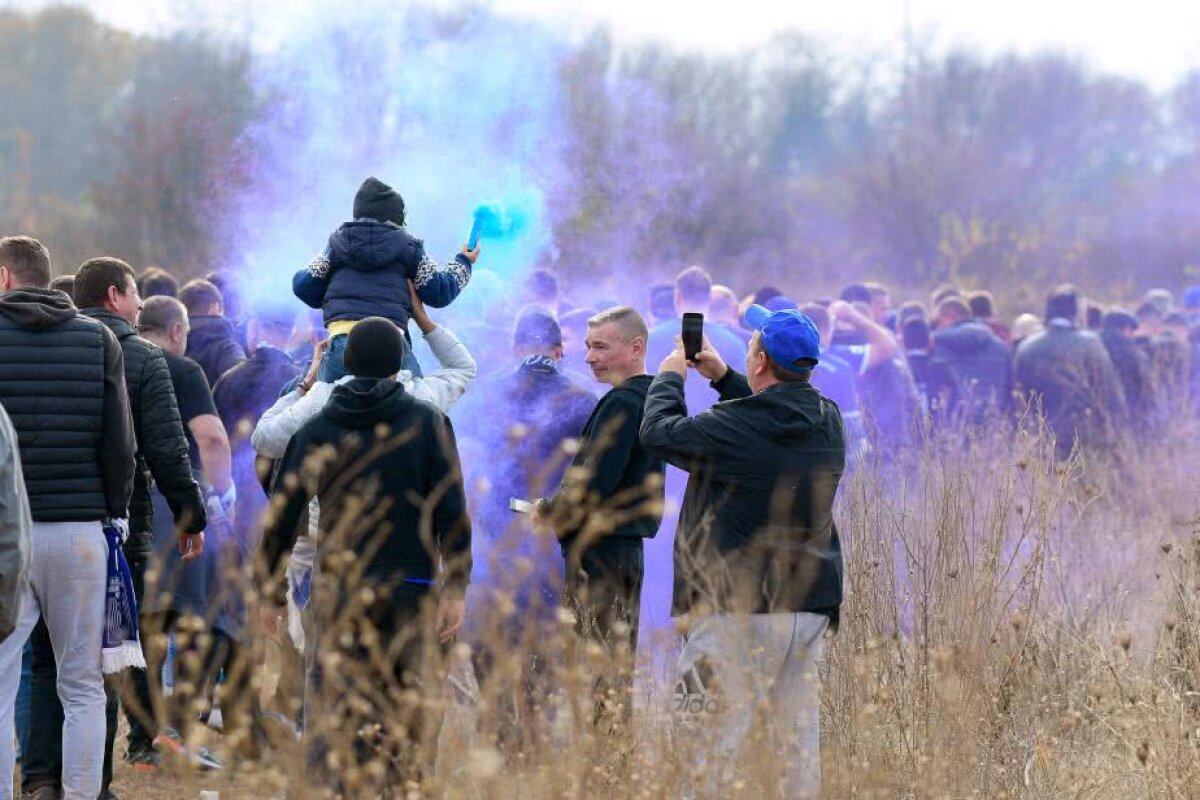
x,y
756,532
981,363
364,271
378,460
64,388
614,486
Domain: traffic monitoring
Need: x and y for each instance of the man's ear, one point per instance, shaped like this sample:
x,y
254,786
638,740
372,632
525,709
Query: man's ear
x,y
760,362
5,278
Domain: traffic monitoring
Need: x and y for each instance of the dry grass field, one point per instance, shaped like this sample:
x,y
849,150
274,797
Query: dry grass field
x,y
1014,627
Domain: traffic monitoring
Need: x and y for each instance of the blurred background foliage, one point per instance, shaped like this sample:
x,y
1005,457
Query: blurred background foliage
x,y
780,163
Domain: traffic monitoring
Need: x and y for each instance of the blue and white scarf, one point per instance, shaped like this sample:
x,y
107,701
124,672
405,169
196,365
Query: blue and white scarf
x,y
122,648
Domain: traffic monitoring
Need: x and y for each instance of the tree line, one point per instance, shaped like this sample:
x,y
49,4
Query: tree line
x,y
1010,171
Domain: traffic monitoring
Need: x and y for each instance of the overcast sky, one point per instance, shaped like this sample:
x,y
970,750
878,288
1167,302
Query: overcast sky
x,y
1156,40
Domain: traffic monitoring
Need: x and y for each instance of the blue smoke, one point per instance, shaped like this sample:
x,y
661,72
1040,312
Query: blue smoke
x,y
454,112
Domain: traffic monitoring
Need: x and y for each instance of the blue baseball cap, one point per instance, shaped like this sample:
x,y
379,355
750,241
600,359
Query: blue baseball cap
x,y
788,336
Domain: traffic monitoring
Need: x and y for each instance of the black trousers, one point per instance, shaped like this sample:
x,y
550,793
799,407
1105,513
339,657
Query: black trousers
x,y
604,589
382,703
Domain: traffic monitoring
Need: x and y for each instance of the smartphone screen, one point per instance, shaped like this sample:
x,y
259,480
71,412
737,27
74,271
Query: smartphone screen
x,y
693,335
476,229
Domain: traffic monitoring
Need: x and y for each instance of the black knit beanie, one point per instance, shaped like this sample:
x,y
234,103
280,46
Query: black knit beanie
x,y
376,200
375,349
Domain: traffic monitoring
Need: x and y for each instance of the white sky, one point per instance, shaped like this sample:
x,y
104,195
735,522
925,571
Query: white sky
x,y
1155,40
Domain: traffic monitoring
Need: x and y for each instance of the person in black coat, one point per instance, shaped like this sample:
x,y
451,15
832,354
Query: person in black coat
x,y
610,501
978,357
64,388
384,467
1133,368
758,561
106,290
241,396
212,339
937,385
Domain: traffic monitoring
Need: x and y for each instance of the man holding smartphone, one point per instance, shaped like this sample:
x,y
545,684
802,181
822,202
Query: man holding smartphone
x,y
758,564
611,498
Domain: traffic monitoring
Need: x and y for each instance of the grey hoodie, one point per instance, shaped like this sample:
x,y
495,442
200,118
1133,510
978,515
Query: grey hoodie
x,y
15,529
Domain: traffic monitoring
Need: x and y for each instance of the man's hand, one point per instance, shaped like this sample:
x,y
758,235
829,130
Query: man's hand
x,y
539,516
191,545
676,362
451,611
709,363
472,255
419,315
841,311
310,377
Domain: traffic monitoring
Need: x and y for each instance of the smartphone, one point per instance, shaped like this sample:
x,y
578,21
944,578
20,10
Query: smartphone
x,y
476,229
693,335
520,506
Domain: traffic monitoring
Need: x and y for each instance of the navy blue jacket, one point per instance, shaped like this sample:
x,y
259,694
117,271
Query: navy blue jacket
x,y
551,410
364,269
982,364
241,396
212,343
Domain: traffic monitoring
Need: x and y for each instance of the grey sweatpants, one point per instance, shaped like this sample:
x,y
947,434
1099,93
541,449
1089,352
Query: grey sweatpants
x,y
732,668
67,577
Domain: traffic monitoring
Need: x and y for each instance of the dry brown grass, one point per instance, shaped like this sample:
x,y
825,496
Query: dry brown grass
x,y
1013,627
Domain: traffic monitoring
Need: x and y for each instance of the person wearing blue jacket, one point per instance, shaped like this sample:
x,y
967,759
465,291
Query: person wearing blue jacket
x,y
364,269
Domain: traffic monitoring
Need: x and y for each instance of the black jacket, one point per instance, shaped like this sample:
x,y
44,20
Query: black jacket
x,y
384,467
1134,370
241,397
981,362
614,486
937,386
1068,373
756,532
162,454
212,343
64,388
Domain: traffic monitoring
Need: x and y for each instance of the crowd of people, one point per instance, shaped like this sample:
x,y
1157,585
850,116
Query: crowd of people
x,y
373,490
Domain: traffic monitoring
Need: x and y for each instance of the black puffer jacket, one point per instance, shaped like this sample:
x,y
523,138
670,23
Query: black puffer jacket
x,y
64,388
756,532
162,445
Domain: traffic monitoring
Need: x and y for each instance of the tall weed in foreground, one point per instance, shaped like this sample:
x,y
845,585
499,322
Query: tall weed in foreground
x,y
1014,626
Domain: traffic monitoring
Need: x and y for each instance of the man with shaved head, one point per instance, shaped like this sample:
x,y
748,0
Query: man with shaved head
x,y
611,498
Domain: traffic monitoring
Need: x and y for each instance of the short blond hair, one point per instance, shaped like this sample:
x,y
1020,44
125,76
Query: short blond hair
x,y
628,321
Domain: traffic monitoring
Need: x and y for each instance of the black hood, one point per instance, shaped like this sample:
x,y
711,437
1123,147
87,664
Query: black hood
x,y
37,309
790,411
365,402
369,246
